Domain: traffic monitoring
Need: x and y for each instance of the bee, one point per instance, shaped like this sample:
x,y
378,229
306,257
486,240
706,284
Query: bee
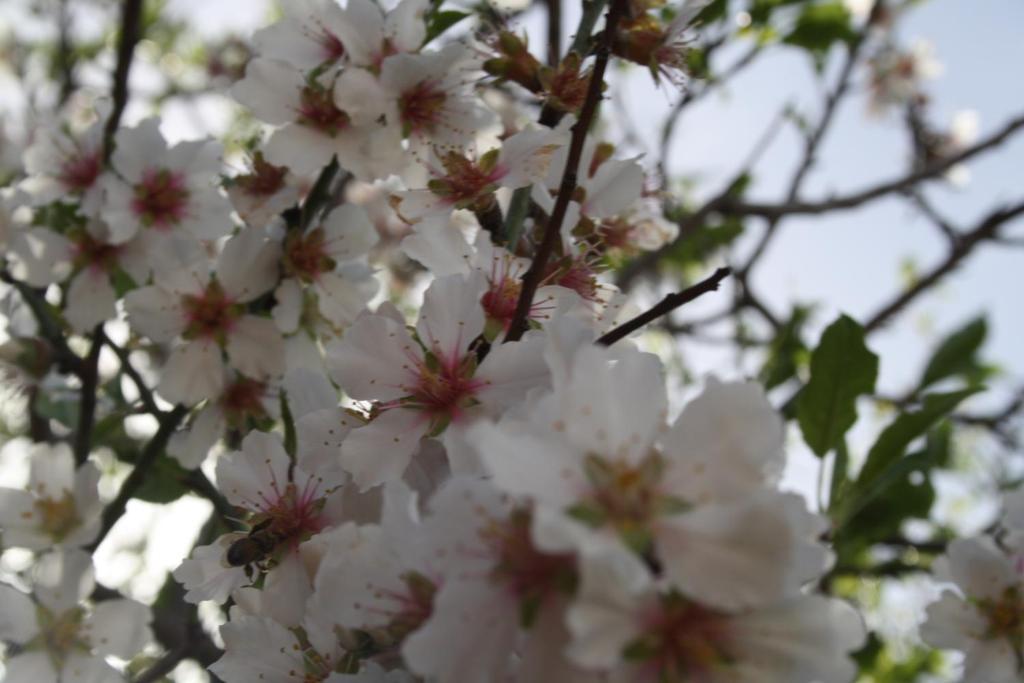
x,y
260,542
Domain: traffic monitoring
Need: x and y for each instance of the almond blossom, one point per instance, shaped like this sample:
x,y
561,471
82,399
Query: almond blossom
x,y
62,165
430,384
60,506
628,627
499,593
370,34
461,181
343,115
435,99
321,262
307,36
597,458
59,637
984,616
207,313
284,503
163,188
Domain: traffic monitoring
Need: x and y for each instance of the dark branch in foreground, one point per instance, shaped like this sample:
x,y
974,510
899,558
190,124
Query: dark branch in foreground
x,y
532,278
665,306
90,376
131,22
168,423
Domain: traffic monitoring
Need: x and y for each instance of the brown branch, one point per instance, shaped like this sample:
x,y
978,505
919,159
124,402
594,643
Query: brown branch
x,y
986,230
89,376
554,31
145,393
168,423
665,306
131,23
856,199
533,276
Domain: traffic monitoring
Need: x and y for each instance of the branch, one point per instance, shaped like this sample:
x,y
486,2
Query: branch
x,y
850,201
665,306
985,230
89,375
533,276
168,423
554,31
145,393
131,21
67,360
816,137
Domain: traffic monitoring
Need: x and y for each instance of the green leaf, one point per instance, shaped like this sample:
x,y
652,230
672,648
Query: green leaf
x,y
894,440
842,368
164,483
821,25
715,10
957,354
441,21
785,349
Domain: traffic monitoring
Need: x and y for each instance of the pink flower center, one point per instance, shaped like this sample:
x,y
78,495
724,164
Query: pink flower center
x,y
265,179
499,302
421,107
161,198
91,253
1005,616
528,573
242,400
318,110
78,173
210,315
443,392
579,277
682,641
331,45
305,256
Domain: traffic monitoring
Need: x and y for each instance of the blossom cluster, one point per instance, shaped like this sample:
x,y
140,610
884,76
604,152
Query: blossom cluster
x,y
427,497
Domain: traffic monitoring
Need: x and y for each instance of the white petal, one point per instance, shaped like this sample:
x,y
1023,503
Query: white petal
x,y
139,148
300,148
271,89
40,256
952,623
349,233
376,359
30,667
17,616
119,628
256,348
451,316
248,266
980,569
288,309
510,371
615,186
614,410
194,371
805,639
726,443
91,300
381,450
155,313
340,299
470,635
257,473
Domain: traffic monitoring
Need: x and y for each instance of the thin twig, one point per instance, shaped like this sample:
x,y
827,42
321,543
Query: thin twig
x,y
145,393
856,199
665,306
986,230
533,276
